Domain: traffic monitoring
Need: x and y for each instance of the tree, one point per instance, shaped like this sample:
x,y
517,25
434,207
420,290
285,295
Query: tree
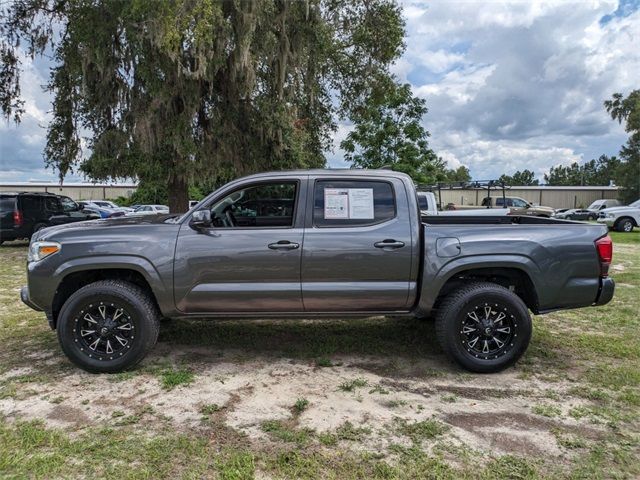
x,y
520,178
460,174
179,90
627,174
594,172
388,133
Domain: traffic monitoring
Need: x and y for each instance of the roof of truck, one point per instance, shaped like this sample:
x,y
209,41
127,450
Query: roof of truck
x,y
356,172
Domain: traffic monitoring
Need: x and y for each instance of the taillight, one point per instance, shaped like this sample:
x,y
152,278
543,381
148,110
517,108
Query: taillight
x,y
604,246
17,218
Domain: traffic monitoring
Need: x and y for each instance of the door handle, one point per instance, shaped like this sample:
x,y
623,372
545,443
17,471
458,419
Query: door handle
x,y
284,245
389,243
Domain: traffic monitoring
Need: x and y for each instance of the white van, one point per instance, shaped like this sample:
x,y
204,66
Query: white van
x,y
602,204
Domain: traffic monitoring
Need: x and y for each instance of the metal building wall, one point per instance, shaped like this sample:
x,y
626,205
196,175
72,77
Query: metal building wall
x,y
565,197
76,191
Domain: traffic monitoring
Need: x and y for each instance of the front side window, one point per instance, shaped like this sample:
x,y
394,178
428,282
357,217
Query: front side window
x,y
262,205
52,204
68,205
518,202
341,203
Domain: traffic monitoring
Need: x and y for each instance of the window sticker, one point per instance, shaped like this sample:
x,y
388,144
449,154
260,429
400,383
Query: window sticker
x,y
348,203
336,203
361,203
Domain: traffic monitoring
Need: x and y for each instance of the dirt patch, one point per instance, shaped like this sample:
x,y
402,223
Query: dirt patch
x,y
232,400
516,432
64,414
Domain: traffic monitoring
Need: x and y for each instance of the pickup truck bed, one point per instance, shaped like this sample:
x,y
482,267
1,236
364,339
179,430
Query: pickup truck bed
x,y
313,243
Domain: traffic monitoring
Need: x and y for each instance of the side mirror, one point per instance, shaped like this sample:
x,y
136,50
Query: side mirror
x,y
201,219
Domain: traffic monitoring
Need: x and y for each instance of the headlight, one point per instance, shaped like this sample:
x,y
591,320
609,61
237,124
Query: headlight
x,y
611,215
40,250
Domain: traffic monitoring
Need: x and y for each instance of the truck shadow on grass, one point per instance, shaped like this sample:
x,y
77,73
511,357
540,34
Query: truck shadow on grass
x,y
322,341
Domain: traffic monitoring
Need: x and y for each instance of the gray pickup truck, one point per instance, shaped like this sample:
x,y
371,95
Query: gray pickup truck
x,y
310,244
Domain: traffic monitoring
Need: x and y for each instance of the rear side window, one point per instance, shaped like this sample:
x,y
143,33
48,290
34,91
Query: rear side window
x,y
352,203
7,204
30,204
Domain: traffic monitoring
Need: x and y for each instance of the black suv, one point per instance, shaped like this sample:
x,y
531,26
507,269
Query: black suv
x,y
23,213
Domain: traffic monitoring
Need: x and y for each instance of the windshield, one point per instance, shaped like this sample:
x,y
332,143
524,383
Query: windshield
x,y
595,205
635,204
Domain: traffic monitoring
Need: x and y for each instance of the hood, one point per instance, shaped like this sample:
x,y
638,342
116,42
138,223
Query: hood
x,y
619,209
566,212
122,221
544,209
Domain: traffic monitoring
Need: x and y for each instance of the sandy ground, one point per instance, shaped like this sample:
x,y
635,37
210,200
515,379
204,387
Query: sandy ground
x,y
488,413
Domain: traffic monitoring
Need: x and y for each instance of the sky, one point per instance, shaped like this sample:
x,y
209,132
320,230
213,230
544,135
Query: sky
x,y
509,85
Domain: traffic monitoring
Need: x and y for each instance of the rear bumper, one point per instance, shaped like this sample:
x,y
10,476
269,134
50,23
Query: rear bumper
x,y
605,294
24,296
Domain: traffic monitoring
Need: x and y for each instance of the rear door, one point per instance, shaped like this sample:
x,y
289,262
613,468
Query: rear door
x,y
358,247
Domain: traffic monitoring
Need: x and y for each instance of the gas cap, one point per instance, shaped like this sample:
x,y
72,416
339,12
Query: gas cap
x,y
448,247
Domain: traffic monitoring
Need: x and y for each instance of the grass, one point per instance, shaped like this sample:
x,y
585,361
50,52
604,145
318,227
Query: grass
x,y
589,360
300,405
352,385
172,378
419,431
546,410
281,431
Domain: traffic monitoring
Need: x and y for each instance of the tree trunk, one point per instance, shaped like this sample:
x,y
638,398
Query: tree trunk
x,y
178,194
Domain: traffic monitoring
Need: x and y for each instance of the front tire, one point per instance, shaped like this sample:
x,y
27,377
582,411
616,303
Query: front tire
x,y
108,326
484,327
624,225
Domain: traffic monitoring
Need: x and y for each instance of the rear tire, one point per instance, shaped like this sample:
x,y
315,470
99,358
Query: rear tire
x,y
484,327
108,326
624,225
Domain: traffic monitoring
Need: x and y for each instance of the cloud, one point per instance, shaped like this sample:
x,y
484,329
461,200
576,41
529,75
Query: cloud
x,y
516,85
509,85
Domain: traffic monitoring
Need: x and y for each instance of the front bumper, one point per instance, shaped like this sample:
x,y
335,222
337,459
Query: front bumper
x,y
605,294
24,296
607,221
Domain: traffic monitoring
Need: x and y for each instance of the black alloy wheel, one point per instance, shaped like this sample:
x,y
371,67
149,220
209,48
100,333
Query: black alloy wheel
x,y
104,331
483,326
108,326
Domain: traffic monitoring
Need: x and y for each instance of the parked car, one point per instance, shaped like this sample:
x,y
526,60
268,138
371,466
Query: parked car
x,y
108,204
598,205
104,212
577,214
517,206
23,213
621,219
148,210
349,243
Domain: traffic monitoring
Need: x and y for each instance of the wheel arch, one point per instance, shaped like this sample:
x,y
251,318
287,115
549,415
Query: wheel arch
x,y
513,278
75,278
517,274
626,217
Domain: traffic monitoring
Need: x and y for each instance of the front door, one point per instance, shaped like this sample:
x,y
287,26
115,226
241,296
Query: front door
x,y
249,261
358,251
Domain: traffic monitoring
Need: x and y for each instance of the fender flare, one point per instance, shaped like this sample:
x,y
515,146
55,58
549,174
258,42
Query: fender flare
x,y
432,284
122,262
